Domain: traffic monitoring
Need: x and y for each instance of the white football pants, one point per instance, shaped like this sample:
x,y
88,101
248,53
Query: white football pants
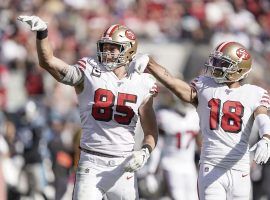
x,y
182,183
223,184
97,176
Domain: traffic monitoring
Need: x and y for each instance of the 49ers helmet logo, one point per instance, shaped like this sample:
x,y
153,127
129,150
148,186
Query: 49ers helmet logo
x,y
242,53
130,35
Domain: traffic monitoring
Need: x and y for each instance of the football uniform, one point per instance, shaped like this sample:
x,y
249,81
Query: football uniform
x,y
178,151
109,108
226,119
109,113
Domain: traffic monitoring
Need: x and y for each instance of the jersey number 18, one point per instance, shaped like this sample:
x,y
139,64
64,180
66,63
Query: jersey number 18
x,y
231,117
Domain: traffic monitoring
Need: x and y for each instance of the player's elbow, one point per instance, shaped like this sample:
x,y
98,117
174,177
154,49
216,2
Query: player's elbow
x,y
45,60
47,64
43,64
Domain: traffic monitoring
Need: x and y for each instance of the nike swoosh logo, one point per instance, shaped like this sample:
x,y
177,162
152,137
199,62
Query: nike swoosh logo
x,y
129,177
244,175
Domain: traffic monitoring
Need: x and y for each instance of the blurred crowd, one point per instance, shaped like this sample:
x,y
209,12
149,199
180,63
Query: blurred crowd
x,y
39,123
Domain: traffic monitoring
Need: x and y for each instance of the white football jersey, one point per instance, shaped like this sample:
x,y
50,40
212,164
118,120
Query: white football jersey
x,y
179,139
226,119
109,107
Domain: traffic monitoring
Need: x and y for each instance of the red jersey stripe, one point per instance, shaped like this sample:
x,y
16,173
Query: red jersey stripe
x,y
81,64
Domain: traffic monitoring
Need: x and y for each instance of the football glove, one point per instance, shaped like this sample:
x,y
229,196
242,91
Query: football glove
x,y
139,63
262,150
137,160
35,23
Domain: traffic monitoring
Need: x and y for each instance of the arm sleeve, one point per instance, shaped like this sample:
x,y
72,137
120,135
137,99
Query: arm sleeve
x,y
74,76
75,73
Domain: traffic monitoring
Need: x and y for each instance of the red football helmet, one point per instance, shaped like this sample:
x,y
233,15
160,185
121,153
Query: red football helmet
x,y
229,62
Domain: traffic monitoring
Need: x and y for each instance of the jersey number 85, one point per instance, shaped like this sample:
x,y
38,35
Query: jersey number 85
x,y
102,109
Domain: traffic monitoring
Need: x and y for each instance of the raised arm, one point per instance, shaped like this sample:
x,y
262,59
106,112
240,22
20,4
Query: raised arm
x,y
60,70
180,88
55,66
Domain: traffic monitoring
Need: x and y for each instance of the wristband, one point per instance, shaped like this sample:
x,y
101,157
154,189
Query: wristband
x,y
42,34
147,146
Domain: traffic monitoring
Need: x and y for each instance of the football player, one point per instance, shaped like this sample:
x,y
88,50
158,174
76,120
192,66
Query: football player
x,y
227,109
110,103
179,131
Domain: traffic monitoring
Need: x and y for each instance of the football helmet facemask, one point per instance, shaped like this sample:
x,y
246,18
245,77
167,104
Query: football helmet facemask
x,y
229,62
126,40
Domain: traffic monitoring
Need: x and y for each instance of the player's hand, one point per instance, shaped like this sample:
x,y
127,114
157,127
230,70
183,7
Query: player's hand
x,y
137,160
35,23
262,150
139,63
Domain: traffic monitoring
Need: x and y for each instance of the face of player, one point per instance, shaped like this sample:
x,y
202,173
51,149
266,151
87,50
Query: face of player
x,y
111,52
220,68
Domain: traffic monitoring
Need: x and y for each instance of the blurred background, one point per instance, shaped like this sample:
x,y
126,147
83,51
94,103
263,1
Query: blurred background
x,y
39,121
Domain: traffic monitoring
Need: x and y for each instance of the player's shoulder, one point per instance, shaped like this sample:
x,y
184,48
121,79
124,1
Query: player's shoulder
x,y
254,89
148,77
145,79
88,63
259,95
202,81
145,82
90,66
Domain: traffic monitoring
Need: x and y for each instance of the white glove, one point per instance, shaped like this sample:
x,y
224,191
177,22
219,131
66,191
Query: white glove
x,y
139,63
137,160
262,152
35,23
